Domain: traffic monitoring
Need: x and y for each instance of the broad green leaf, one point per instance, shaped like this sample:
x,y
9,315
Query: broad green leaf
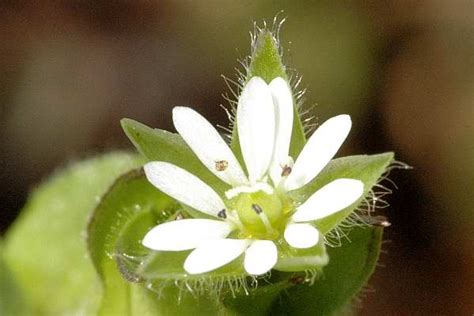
x,y
365,168
45,248
160,145
266,62
129,195
129,209
12,300
349,269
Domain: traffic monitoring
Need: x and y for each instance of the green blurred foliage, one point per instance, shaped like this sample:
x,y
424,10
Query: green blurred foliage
x,y
45,248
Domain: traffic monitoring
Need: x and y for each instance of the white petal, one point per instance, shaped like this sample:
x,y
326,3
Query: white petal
x,y
260,257
214,254
185,234
330,199
208,145
301,235
184,187
283,102
256,127
318,151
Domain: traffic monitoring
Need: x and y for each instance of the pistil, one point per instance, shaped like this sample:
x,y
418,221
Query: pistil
x,y
263,217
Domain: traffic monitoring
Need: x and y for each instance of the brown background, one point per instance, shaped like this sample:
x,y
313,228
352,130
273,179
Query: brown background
x,y
69,70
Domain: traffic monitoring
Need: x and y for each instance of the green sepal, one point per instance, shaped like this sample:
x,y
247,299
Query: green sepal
x,y
266,60
159,145
296,260
351,266
366,168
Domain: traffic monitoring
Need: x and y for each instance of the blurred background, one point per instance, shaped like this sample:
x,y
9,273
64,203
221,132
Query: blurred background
x,y
70,70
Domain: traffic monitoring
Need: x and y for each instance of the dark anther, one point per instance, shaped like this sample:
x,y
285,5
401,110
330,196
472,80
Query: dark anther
x,y
257,208
221,165
383,223
286,171
376,220
380,221
222,214
299,279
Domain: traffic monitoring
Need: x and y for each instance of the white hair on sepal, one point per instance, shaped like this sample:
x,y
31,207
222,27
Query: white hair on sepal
x,y
214,287
294,80
366,212
364,216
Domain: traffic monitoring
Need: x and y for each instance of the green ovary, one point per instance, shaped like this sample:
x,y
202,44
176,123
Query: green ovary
x,y
275,211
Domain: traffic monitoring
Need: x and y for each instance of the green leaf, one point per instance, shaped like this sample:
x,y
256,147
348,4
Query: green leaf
x,y
349,269
365,168
130,208
45,248
131,194
12,300
160,145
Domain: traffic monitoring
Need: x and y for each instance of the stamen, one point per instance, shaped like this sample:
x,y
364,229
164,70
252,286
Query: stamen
x,y
233,218
384,223
299,279
221,165
258,210
222,214
377,221
286,171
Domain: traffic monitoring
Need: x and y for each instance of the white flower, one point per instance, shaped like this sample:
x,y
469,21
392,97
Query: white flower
x,y
256,211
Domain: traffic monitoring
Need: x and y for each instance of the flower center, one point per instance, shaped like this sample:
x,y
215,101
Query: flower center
x,y
262,215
